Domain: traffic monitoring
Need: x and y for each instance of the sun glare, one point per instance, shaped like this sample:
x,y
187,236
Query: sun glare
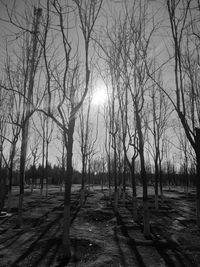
x,y
100,97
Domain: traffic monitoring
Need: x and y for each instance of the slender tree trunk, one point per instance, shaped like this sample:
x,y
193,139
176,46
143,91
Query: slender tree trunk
x,y
145,198
10,188
161,186
115,177
160,181
43,171
187,180
124,185
83,181
146,226
11,177
89,174
134,192
46,170
156,182
22,171
27,110
109,175
63,166
197,141
68,182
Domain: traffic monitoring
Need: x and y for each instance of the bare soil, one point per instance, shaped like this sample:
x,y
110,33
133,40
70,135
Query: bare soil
x,y
101,236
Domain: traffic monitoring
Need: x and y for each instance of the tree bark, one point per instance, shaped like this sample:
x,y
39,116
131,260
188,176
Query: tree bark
x,y
197,142
156,182
146,226
46,169
83,181
68,183
160,181
22,171
115,177
134,192
11,177
43,157
124,185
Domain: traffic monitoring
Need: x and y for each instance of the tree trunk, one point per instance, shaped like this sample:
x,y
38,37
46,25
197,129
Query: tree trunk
x,y
109,178
68,182
46,170
156,183
124,185
146,226
43,172
134,192
10,181
160,181
145,198
115,177
22,171
187,180
102,182
63,167
83,181
197,142
89,175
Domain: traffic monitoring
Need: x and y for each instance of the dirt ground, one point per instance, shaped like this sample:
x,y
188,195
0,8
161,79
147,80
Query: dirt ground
x,y
99,235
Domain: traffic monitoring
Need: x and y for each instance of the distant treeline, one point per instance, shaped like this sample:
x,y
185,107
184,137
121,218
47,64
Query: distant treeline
x,y
56,176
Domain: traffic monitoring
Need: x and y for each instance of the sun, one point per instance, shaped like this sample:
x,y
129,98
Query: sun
x,y
100,96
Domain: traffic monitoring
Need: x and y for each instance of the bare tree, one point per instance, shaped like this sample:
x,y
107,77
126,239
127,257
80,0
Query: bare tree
x,y
134,144
33,56
114,128
87,141
4,113
66,78
130,39
135,42
20,72
26,69
184,25
84,135
108,147
161,111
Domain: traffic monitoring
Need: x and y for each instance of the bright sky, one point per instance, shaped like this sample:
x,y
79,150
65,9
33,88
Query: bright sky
x,y
100,96
99,91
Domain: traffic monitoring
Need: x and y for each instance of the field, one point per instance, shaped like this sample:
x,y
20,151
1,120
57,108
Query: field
x,y
101,236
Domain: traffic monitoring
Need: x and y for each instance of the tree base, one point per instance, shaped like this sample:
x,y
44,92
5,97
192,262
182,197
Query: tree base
x,y
64,256
146,224
116,200
156,202
82,197
134,211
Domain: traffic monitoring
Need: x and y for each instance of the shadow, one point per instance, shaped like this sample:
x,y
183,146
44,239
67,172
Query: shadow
x,y
48,244
74,214
63,262
3,231
170,250
119,247
35,243
53,255
11,239
131,242
173,255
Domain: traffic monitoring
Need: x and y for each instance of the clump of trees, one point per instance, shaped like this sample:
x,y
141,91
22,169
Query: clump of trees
x,y
47,39
46,78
